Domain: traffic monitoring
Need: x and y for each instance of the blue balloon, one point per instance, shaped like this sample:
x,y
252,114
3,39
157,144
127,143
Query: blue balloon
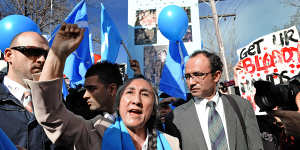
x,y
173,22
12,25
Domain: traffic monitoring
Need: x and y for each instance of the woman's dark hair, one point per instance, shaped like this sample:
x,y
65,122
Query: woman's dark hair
x,y
152,122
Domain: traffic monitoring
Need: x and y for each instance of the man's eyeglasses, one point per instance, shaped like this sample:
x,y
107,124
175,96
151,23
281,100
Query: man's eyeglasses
x,y
197,75
31,51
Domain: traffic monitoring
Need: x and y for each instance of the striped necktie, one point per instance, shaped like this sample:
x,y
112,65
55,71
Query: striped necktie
x,y
216,129
27,101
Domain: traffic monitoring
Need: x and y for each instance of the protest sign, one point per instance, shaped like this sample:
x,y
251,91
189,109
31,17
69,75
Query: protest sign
x,y
266,58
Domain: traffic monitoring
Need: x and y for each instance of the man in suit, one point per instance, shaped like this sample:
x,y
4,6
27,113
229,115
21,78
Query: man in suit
x,y
209,121
25,56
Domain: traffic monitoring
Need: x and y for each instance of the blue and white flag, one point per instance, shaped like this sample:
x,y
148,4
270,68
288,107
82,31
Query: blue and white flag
x,y
80,60
172,77
110,38
65,90
91,48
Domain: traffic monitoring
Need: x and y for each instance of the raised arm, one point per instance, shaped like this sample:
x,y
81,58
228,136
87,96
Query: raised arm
x,y
67,39
61,125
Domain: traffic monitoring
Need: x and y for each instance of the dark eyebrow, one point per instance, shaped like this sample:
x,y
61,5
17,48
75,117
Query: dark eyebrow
x,y
142,90
146,90
89,86
130,88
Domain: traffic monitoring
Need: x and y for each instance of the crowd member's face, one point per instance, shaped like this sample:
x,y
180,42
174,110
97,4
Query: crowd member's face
x,y
27,56
98,95
136,104
164,110
203,86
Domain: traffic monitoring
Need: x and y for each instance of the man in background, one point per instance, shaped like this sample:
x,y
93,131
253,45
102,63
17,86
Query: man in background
x,y
25,56
102,81
209,121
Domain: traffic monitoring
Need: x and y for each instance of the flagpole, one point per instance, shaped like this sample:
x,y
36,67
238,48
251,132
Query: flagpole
x,y
126,49
220,42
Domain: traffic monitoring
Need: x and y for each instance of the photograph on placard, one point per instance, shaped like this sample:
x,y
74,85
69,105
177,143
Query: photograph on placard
x,y
154,59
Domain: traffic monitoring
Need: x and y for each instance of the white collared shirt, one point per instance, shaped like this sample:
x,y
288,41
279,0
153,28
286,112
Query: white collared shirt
x,y
202,112
145,145
16,89
109,116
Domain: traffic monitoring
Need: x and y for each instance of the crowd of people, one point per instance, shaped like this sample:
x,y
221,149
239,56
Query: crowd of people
x,y
109,113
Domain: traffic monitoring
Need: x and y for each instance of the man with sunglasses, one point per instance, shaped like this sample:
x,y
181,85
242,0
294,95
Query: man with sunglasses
x,y
209,121
25,56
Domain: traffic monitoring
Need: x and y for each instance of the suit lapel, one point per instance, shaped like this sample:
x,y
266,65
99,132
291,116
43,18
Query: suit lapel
x,y
194,123
230,117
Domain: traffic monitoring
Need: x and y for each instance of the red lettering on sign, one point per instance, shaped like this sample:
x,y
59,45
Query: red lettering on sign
x,y
298,47
259,68
288,52
286,55
268,62
248,65
278,54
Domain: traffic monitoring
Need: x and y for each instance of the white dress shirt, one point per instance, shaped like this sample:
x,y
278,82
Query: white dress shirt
x,y
109,116
145,145
16,89
202,112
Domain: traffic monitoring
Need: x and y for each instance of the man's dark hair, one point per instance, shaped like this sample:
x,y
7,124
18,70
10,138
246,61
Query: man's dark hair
x,y
107,73
215,61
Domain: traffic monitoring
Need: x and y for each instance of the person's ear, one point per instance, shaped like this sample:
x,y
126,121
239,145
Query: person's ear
x,y
112,89
8,55
217,76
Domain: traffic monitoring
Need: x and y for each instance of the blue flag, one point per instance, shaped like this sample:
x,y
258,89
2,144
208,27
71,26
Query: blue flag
x,y
65,90
110,38
5,142
80,60
91,48
172,80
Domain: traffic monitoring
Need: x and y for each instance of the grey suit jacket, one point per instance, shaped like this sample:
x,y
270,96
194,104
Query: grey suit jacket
x,y
187,122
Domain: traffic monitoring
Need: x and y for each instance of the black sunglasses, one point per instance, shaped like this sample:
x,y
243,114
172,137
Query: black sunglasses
x,y
31,51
